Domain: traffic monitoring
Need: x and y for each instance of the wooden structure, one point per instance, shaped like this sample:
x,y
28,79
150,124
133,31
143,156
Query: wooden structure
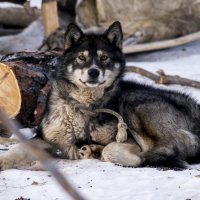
x,y
49,17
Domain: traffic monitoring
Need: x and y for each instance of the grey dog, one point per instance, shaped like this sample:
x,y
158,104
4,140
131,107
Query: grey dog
x,y
163,126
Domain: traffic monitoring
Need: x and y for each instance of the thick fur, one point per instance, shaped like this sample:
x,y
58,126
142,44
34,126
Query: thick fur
x,y
163,126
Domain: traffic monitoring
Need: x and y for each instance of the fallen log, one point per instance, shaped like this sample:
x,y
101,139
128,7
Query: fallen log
x,y
33,71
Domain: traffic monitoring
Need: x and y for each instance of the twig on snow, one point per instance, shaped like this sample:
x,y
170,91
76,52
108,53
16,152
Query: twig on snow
x,y
163,78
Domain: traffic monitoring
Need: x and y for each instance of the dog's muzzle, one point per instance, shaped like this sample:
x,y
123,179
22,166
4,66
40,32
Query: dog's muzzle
x,y
93,75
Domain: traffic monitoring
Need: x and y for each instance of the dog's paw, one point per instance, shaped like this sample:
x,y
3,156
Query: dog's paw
x,y
85,152
121,134
91,151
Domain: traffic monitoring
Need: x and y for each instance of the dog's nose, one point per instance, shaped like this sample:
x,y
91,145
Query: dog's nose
x,y
93,73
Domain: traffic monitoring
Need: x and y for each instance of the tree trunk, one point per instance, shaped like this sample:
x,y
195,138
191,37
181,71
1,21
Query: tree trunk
x,y
33,71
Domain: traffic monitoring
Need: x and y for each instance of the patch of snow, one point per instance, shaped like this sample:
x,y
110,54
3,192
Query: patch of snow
x,y
9,5
27,132
33,3
167,54
30,38
98,180
187,67
36,3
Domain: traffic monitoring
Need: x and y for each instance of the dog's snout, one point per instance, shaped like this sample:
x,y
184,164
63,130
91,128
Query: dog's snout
x,y
93,73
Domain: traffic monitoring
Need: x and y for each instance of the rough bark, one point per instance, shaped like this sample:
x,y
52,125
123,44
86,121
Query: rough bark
x,y
33,71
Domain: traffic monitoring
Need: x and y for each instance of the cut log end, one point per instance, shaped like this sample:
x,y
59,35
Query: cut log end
x,y
10,97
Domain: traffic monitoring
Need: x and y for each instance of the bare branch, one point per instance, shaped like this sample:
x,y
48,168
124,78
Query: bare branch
x,y
162,78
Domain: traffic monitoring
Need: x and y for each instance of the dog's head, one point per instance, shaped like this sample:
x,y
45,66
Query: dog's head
x,y
92,60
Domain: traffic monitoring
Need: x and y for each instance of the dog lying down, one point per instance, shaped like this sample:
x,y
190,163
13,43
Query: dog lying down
x,y
163,127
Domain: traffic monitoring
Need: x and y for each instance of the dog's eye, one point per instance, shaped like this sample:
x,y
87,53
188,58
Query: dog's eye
x,y
81,57
104,58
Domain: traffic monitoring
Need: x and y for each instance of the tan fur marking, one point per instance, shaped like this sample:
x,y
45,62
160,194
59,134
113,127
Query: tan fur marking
x,y
117,65
83,53
69,68
99,52
86,53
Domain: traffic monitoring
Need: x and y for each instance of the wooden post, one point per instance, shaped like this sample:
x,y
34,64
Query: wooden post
x,y
100,10
49,16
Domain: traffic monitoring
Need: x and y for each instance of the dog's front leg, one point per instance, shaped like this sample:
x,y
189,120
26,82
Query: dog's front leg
x,y
61,138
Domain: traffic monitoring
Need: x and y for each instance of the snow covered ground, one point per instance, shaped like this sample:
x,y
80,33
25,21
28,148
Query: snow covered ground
x,y
98,180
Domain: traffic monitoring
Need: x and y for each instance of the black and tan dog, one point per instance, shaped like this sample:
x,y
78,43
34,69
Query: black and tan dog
x,y
163,126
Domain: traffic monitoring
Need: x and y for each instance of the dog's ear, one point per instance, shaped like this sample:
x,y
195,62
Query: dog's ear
x,y
72,35
114,34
